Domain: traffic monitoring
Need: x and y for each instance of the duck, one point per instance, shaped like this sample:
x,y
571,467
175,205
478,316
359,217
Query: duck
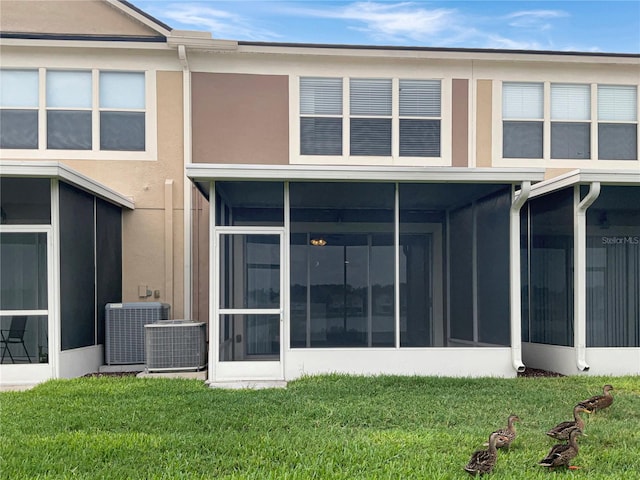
x,y
562,430
508,434
598,402
562,453
483,461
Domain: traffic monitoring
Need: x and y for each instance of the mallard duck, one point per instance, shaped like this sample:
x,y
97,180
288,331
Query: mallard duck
x,y
483,461
598,402
562,430
561,454
508,434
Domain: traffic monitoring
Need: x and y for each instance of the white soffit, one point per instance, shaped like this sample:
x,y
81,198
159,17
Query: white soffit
x,y
581,176
10,168
207,171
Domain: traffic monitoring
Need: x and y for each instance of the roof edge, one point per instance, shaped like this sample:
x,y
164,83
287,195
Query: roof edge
x,y
52,169
438,49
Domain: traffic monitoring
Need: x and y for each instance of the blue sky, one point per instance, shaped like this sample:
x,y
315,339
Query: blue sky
x,y
589,26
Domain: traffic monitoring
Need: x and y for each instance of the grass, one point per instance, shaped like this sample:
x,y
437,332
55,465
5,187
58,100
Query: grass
x,y
335,426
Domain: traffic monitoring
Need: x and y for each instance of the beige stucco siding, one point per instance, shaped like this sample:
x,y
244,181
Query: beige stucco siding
x,y
484,123
146,241
95,17
460,123
240,118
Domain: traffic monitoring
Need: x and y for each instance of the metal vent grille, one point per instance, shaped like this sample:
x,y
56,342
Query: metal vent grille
x,y
124,330
176,345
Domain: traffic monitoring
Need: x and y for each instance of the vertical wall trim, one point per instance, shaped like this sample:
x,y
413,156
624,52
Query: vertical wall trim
x,y
460,123
168,241
484,123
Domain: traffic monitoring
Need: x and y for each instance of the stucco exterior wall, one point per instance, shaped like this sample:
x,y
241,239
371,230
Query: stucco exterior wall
x,y
239,118
95,17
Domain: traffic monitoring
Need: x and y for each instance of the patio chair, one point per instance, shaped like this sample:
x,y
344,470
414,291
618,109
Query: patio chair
x,y
14,335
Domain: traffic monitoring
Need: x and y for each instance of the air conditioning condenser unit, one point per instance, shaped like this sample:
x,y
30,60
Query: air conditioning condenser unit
x,y
176,345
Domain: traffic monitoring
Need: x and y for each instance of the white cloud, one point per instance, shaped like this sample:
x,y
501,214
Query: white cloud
x,y
221,23
534,19
390,21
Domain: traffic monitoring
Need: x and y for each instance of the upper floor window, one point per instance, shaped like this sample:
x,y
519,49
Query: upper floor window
x,y
569,116
617,122
570,121
523,115
19,109
78,110
372,117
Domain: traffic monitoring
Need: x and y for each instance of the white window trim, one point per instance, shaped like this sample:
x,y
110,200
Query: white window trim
x,y
346,159
546,161
41,153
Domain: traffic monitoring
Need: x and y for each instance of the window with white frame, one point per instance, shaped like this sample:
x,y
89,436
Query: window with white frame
x,y
570,121
74,116
420,118
617,122
523,119
320,116
371,118
19,109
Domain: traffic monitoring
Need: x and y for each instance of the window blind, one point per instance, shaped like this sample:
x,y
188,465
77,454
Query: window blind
x,y
320,96
419,98
617,103
522,100
570,102
369,97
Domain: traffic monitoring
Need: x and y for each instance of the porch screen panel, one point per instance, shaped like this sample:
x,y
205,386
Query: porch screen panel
x,y
613,269
342,257
551,269
25,201
77,271
108,260
23,275
249,203
492,219
461,274
524,271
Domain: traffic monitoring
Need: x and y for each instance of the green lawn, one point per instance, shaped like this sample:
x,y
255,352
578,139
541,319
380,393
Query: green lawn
x,y
319,427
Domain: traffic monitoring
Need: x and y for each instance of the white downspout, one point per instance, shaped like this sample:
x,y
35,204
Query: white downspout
x,y
580,273
187,201
514,290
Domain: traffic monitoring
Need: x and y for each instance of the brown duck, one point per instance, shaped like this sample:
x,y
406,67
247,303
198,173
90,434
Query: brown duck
x,y
508,434
561,454
598,402
483,461
562,430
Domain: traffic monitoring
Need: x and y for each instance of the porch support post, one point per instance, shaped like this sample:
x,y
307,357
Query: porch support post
x,y
580,272
514,274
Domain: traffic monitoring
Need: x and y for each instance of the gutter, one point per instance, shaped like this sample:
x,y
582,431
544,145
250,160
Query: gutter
x,y
514,291
580,272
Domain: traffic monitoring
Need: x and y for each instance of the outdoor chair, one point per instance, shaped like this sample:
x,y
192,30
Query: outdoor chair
x,y
14,335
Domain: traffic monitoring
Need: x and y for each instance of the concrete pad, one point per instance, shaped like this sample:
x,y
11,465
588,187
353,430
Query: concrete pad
x,y
249,384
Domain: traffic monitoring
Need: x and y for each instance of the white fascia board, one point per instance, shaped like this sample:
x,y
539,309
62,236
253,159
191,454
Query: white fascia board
x,y
44,169
581,176
200,172
97,44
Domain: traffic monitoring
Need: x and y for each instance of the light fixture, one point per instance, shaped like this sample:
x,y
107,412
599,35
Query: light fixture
x,y
318,242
